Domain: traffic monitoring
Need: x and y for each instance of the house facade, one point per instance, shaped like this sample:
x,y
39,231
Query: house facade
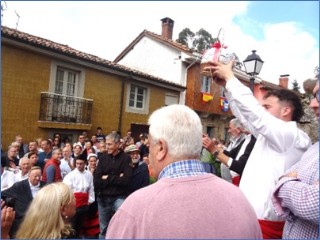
x,y
160,56
50,88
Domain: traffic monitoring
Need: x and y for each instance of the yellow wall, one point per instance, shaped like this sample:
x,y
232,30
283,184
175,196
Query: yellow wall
x,y
26,74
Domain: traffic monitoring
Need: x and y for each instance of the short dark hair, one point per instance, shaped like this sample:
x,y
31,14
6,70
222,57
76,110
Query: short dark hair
x,y
289,97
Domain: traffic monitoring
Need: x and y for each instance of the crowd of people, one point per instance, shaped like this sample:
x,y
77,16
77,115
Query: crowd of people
x,y
263,184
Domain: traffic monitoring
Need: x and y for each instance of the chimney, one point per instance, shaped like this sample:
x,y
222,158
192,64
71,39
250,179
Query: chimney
x,y
283,81
167,27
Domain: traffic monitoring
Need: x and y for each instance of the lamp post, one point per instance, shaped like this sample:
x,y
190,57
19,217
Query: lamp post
x,y
253,65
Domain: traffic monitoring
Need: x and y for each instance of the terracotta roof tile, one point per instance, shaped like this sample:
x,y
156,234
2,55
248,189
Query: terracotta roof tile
x,y
65,49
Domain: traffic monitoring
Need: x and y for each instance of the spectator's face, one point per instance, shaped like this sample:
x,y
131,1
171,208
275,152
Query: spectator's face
x,y
34,159
80,164
77,150
135,156
102,147
81,139
35,177
12,152
57,155
66,152
33,147
44,145
112,147
19,139
233,130
94,139
25,166
92,162
314,103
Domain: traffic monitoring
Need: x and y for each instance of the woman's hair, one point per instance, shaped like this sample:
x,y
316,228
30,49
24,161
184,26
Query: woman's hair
x,y
43,219
180,127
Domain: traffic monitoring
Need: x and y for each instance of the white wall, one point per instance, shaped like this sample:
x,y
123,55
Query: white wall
x,y
156,59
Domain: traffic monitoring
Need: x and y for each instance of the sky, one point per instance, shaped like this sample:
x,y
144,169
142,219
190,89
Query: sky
x,y
285,34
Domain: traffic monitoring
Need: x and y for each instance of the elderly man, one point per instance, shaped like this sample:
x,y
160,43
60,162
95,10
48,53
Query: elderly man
x,y
51,171
296,196
185,202
23,173
23,192
279,145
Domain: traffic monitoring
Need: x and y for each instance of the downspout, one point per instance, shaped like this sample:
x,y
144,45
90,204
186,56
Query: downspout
x,y
121,106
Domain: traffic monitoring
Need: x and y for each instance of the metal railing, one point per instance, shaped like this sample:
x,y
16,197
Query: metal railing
x,y
66,109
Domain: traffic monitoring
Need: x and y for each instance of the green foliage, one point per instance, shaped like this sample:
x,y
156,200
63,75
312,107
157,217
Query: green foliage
x,y
208,157
186,37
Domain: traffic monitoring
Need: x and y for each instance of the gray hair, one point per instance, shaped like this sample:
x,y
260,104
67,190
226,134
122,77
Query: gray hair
x,y
115,137
237,123
180,127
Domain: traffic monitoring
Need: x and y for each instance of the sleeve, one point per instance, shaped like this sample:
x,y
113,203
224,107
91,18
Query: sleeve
x,y
280,134
91,189
50,173
98,173
124,180
291,196
239,165
122,226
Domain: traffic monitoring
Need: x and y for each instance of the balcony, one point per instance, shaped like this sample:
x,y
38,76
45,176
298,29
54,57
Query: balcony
x,y
65,109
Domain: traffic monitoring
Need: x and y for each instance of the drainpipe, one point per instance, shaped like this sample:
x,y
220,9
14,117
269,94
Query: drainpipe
x,y
121,106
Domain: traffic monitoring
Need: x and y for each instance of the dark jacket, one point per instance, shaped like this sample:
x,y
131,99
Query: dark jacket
x,y
239,164
140,177
22,193
113,166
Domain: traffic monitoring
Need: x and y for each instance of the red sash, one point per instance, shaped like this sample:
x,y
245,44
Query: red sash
x,y
82,198
271,229
236,180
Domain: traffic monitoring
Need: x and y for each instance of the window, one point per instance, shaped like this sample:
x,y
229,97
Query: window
x,y
205,84
137,96
137,99
171,99
67,81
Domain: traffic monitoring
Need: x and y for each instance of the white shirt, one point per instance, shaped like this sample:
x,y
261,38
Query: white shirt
x,y
34,189
18,176
81,182
7,179
64,167
279,145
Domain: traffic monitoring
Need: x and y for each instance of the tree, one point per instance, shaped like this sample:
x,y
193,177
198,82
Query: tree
x,y
295,85
199,41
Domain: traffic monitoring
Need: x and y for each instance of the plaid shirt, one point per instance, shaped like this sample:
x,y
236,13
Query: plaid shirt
x,y
184,168
297,199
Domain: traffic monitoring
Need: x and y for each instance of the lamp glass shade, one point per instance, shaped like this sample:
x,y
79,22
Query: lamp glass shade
x,y
253,64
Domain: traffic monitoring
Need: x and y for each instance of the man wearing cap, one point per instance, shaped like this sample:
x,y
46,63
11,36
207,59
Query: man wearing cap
x,y
140,173
111,180
81,183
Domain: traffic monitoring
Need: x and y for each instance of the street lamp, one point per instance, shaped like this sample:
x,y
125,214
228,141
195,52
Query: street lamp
x,y
253,65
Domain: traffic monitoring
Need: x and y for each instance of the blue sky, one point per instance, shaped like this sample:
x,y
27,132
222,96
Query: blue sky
x,y
306,13
284,33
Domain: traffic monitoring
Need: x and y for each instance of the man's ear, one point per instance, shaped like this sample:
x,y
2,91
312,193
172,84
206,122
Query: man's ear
x,y
286,112
162,150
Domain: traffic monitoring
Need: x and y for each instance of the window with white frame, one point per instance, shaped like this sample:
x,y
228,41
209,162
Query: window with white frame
x,y
205,84
138,99
66,89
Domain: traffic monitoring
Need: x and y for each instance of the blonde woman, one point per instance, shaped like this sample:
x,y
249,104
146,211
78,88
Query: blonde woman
x,y
49,213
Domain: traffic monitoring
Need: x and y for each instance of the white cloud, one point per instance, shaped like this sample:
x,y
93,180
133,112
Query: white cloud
x,y
106,28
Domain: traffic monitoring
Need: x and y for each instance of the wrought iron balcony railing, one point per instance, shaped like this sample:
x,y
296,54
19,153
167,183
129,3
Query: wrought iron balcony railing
x,y
66,109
